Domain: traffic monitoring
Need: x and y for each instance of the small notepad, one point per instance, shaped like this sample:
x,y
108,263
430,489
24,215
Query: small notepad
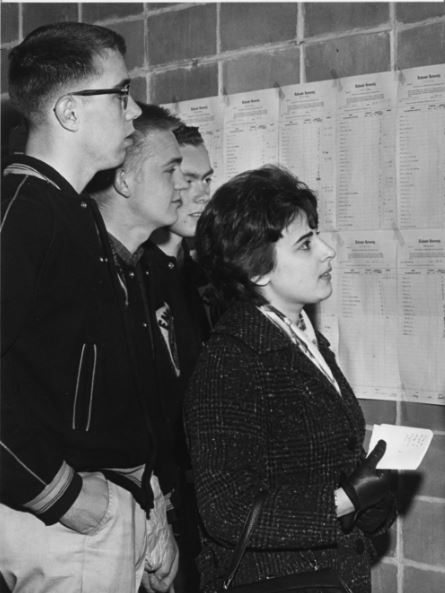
x,y
405,446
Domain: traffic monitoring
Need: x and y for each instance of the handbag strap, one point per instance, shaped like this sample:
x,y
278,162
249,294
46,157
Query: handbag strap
x,y
241,545
328,578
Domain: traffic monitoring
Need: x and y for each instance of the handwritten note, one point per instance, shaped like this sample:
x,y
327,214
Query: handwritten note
x,y
405,446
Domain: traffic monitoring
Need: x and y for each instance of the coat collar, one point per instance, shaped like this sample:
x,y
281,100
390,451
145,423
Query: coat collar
x,y
42,169
243,321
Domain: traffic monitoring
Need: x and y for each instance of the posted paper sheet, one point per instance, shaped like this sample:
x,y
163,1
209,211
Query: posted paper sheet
x,y
372,148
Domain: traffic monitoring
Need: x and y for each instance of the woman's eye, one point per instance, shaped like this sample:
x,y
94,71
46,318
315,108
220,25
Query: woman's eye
x,y
306,245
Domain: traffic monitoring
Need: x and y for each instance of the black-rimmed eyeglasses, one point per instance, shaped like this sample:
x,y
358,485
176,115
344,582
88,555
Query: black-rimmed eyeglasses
x,y
123,93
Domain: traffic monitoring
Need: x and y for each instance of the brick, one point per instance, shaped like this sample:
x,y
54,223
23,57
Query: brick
x,y
10,22
93,12
423,416
416,580
378,411
184,34
412,12
421,46
326,17
139,89
133,33
431,471
384,578
245,24
348,56
261,70
184,84
424,533
158,5
37,14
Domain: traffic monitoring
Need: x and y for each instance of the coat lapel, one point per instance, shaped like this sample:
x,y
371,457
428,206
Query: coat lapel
x,y
247,323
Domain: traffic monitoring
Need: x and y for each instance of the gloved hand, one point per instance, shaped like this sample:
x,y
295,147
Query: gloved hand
x,y
366,486
377,519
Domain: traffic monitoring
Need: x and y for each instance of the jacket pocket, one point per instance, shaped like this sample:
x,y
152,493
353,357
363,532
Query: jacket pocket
x,y
84,389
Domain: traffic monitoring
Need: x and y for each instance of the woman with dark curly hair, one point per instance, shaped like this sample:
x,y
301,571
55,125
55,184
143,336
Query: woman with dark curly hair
x,y
268,409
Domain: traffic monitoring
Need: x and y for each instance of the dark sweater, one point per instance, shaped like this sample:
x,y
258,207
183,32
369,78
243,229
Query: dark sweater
x,y
174,287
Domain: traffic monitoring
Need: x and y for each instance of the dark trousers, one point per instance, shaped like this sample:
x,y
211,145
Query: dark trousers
x,y
185,527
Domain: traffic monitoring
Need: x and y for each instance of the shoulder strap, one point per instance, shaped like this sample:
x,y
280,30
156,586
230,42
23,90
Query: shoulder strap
x,y
241,545
22,169
321,579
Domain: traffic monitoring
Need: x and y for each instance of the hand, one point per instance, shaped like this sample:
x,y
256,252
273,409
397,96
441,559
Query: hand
x,y
161,579
377,519
366,486
89,508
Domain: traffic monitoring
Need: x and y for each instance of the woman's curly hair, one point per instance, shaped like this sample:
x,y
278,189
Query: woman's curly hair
x,y
237,231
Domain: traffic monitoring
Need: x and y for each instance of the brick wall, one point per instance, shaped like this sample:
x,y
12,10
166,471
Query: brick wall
x,y
186,51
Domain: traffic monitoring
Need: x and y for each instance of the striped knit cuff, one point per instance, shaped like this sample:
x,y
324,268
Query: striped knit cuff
x,y
57,497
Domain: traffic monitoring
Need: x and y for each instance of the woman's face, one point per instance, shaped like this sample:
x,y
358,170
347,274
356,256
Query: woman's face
x,y
301,274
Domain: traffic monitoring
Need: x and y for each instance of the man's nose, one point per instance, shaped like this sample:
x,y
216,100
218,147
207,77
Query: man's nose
x,y
133,110
203,191
179,180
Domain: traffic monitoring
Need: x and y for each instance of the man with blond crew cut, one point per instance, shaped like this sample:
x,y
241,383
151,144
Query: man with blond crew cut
x,y
183,321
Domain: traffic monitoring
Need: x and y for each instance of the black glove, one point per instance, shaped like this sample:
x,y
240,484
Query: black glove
x,y
366,486
377,519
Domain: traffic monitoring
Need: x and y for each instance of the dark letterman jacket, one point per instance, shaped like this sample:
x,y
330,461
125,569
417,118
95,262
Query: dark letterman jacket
x,y
75,392
261,416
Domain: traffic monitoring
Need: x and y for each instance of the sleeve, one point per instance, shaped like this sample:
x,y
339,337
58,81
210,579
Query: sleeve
x,y
226,422
35,476
26,236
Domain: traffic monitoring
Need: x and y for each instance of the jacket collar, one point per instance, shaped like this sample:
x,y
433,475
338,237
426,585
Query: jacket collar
x,y
19,163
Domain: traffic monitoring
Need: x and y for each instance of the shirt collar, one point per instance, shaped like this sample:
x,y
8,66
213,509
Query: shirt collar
x,y
119,250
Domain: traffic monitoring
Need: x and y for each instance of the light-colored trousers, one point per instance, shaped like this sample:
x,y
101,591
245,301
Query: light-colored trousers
x,y
36,558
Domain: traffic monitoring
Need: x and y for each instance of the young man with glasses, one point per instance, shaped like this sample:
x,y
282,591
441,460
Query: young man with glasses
x,y
82,508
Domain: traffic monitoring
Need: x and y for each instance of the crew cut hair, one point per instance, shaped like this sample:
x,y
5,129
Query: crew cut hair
x,y
188,135
152,118
236,234
53,56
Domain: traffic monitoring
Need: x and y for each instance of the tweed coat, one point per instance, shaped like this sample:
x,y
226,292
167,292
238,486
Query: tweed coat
x,y
260,415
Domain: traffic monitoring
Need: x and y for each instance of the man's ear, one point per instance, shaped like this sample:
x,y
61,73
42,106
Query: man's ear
x,y
261,280
66,111
121,182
